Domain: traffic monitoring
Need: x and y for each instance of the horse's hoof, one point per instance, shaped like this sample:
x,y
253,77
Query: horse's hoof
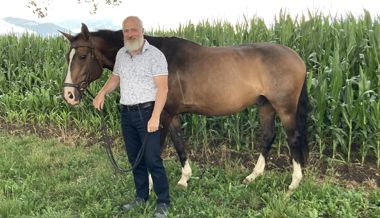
x,y
293,187
250,178
182,185
247,181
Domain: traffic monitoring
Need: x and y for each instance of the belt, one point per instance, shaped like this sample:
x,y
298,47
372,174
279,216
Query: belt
x,y
136,107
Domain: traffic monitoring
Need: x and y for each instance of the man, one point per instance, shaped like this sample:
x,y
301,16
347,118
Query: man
x,y
141,71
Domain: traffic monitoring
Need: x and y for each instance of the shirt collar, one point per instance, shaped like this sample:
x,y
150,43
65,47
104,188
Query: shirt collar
x,y
145,46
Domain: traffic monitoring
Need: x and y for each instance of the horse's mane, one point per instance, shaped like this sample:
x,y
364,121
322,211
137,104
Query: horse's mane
x,y
171,39
172,47
114,38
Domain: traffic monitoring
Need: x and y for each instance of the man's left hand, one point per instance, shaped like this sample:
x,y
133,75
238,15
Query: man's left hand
x,y
153,124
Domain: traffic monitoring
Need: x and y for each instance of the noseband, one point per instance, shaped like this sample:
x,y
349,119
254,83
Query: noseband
x,y
81,87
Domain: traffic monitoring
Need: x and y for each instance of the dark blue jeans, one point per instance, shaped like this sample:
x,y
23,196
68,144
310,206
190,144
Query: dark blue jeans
x,y
134,128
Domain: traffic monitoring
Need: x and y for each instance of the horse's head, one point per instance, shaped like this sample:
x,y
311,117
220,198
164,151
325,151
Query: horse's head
x,y
84,66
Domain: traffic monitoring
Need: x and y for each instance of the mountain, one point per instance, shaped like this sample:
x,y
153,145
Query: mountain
x,y
20,25
44,29
93,25
7,28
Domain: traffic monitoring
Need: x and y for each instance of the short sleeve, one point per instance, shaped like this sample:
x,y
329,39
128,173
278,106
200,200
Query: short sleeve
x,y
160,65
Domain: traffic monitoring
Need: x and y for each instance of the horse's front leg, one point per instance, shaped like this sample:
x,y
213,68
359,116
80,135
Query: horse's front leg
x,y
179,144
267,118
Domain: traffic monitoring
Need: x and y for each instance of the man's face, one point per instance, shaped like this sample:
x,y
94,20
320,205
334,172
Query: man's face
x,y
133,35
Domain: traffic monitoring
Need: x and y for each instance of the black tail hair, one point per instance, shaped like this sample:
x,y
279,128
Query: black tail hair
x,y
301,118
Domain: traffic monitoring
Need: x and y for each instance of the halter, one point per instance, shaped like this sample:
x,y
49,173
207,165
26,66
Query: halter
x,y
81,87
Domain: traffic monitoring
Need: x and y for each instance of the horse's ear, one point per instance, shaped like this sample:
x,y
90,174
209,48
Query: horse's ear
x,y
85,31
67,36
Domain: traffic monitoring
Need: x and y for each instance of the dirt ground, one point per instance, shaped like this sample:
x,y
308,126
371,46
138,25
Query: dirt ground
x,y
349,175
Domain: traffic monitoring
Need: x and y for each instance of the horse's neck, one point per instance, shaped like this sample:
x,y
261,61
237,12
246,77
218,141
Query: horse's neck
x,y
174,48
165,42
108,59
108,44
111,42
155,41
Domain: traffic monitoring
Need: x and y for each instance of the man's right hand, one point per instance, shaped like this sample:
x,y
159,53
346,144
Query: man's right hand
x,y
110,85
98,101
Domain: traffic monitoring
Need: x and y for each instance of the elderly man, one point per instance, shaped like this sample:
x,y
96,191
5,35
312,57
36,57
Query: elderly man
x,y
141,71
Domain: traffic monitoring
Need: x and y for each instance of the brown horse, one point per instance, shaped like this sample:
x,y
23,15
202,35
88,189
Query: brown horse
x,y
210,81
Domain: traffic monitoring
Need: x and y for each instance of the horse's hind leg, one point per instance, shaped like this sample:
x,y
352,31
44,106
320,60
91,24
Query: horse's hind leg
x,y
267,117
179,144
289,122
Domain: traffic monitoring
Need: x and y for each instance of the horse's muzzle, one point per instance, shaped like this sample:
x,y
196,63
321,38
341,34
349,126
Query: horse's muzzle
x,y
71,95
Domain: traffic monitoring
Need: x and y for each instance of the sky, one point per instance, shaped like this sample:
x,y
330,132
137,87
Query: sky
x,y
168,14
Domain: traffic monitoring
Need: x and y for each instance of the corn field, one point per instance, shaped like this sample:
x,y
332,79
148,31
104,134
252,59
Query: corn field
x,y
341,54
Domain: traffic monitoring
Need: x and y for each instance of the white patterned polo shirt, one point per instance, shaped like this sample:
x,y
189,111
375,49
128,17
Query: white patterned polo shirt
x,y
137,74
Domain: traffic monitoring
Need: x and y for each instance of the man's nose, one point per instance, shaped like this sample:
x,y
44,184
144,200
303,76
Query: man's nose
x,y
129,35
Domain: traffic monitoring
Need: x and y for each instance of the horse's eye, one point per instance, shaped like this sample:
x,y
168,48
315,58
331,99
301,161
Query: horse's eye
x,y
82,57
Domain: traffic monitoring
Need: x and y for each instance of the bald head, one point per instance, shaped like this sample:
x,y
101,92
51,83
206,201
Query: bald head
x,y
133,21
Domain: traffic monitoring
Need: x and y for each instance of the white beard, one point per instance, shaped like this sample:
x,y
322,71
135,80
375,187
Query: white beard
x,y
133,44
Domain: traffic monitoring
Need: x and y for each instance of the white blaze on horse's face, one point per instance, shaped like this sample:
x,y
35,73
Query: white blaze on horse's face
x,y
69,92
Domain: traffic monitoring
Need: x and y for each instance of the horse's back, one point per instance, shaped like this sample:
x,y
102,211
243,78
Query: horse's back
x,y
276,56
224,80
252,61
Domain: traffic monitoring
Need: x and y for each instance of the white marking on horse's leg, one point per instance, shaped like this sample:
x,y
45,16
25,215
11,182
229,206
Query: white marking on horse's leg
x,y
257,171
68,92
150,183
186,174
297,175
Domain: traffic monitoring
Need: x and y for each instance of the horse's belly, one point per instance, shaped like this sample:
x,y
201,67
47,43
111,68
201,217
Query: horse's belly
x,y
224,103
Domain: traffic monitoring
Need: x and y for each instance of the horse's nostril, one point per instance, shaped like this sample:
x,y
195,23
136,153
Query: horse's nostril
x,y
71,96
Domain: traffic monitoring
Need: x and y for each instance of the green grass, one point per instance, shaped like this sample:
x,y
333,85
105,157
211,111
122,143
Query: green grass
x,y
43,178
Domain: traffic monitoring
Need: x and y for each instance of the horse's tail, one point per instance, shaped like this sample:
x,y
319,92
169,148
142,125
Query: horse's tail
x,y
302,110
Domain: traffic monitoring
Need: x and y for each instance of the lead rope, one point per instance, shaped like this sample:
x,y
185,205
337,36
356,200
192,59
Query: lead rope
x,y
108,143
